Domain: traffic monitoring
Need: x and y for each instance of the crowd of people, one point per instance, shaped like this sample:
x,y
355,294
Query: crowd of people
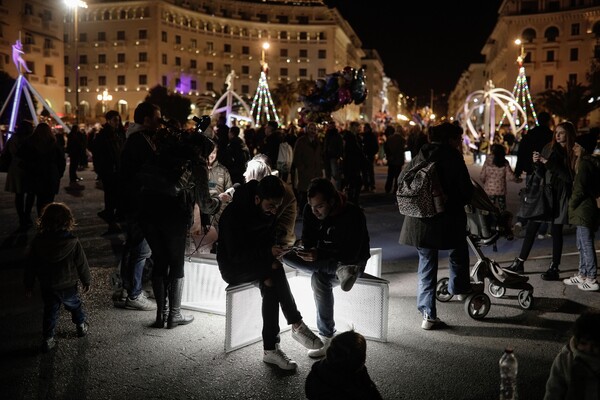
x,y
242,203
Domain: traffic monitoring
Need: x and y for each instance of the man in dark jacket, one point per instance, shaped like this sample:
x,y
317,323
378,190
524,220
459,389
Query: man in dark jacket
x,y
336,249
534,140
247,252
445,231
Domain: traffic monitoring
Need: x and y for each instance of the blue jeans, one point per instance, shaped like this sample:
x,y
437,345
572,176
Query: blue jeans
x,y
53,299
427,274
588,262
133,262
323,279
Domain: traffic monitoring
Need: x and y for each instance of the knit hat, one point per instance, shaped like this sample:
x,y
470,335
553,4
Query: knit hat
x,y
588,141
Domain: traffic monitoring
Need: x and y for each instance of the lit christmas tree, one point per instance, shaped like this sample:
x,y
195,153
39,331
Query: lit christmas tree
x,y
521,92
263,110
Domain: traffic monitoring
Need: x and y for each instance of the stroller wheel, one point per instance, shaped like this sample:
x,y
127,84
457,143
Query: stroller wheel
x,y
525,299
496,290
441,290
478,305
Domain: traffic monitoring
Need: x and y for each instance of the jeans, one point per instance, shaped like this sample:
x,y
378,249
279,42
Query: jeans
x,y
588,262
53,299
133,262
427,274
323,279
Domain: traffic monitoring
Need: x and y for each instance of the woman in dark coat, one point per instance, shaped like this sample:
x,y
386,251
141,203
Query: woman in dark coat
x,y
444,231
44,160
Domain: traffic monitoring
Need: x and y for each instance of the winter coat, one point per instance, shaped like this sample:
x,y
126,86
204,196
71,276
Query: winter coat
x,y
328,382
560,177
18,180
448,229
246,236
219,181
333,144
285,234
534,140
574,375
308,160
57,260
45,163
138,150
394,148
237,158
494,177
582,205
107,147
342,237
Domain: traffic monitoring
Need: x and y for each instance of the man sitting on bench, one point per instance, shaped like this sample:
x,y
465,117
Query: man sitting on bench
x,y
247,252
335,250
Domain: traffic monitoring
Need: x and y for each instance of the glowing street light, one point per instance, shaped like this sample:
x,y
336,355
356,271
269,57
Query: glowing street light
x,y
263,63
74,5
104,97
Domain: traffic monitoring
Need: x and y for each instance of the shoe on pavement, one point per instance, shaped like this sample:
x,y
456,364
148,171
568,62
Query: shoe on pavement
x,y
322,351
347,275
589,285
574,280
430,323
279,358
517,266
140,303
552,274
517,228
82,329
48,344
306,337
119,298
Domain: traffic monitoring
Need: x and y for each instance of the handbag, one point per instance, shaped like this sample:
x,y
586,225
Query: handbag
x,y
536,198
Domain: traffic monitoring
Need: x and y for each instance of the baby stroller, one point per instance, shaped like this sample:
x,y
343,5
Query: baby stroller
x,y
486,224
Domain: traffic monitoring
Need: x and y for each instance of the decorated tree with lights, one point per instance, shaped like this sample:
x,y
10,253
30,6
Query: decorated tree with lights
x,y
521,93
263,109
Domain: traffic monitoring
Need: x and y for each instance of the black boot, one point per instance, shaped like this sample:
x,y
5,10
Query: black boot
x,y
175,316
517,266
552,274
160,295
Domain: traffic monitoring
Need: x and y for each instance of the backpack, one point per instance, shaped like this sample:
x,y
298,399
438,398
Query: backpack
x,y
284,157
419,191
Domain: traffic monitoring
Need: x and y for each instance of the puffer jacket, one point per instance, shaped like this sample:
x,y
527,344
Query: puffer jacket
x,y
582,205
57,260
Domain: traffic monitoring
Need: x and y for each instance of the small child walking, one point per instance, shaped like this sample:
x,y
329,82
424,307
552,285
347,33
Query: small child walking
x,y
584,212
494,173
342,374
56,258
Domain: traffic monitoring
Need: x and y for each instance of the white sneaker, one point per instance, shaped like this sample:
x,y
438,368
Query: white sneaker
x,y
141,303
347,275
589,285
574,280
322,351
429,323
306,337
279,358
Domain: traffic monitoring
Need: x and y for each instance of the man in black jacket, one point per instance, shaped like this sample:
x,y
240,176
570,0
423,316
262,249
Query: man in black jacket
x,y
247,252
335,250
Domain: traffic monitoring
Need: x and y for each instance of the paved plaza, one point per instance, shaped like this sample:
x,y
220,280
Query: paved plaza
x,y
123,358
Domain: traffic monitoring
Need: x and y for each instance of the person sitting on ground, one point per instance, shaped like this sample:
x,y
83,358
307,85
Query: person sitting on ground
x,y
56,258
342,374
335,250
247,252
575,372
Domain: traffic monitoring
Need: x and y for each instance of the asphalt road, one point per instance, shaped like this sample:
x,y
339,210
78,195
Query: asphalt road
x,y
123,358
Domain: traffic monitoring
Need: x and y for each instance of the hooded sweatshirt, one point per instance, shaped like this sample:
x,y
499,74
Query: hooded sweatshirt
x,y
57,260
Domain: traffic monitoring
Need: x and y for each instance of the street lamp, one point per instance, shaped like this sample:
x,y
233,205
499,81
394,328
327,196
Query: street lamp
x,y
104,97
263,63
521,57
74,5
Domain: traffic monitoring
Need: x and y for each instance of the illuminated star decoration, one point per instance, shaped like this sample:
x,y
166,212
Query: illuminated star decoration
x,y
485,102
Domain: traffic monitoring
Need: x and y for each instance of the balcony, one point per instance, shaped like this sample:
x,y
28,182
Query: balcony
x,y
100,44
33,78
119,43
141,42
49,53
550,64
50,80
141,64
32,49
31,21
51,28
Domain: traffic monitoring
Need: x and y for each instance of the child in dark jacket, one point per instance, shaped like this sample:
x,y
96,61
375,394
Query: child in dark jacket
x,y
342,374
57,260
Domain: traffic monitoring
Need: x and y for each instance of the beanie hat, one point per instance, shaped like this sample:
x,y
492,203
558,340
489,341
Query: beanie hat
x,y
588,141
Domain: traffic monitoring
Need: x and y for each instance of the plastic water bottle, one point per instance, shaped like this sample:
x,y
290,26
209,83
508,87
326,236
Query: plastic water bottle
x,y
509,368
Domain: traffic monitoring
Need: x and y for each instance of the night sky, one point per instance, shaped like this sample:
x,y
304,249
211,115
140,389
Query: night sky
x,y
427,45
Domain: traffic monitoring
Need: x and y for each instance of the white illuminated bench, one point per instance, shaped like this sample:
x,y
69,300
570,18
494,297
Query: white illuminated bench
x,y
364,308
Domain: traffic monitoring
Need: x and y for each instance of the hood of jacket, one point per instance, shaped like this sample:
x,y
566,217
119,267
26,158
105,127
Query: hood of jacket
x,y
53,247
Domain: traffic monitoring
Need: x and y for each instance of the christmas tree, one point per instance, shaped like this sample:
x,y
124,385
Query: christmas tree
x,y
263,110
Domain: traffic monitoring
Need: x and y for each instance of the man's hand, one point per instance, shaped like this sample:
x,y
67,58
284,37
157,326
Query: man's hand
x,y
307,254
279,251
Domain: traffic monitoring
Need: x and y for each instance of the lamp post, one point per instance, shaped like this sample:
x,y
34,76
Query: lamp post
x,y
521,57
263,63
74,5
104,97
